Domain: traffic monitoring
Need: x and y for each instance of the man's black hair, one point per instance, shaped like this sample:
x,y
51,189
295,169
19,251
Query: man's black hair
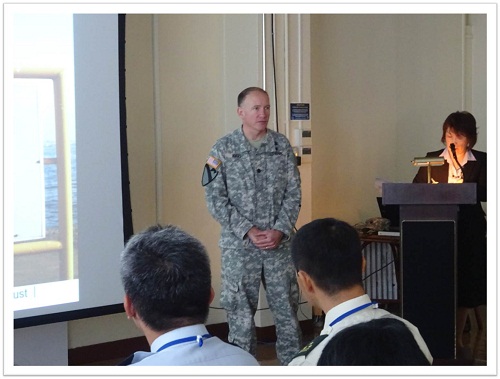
x,y
329,251
166,274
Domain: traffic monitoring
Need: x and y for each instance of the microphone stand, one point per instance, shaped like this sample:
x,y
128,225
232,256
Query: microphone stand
x,y
454,153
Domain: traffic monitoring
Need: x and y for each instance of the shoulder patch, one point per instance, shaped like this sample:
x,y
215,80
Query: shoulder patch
x,y
311,345
210,170
213,162
209,174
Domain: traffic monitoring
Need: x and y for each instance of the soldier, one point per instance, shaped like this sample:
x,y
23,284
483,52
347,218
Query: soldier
x,y
252,188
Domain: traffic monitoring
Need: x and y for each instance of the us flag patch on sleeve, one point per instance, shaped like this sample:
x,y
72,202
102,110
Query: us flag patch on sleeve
x,y
213,162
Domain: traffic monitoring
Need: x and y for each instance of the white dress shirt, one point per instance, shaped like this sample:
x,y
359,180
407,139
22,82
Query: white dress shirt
x,y
212,352
351,312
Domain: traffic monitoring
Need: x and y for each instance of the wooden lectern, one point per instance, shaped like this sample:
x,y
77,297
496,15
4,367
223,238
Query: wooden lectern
x,y
428,218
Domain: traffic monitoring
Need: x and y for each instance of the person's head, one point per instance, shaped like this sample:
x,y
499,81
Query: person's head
x,y
329,252
166,277
460,129
380,342
254,110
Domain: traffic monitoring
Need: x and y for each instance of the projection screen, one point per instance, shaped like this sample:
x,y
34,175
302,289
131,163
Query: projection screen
x,y
71,202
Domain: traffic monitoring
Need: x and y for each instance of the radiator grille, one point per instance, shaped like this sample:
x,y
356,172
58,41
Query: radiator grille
x,y
380,275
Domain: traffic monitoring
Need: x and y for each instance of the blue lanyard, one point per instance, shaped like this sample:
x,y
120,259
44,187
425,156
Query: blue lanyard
x,y
343,316
198,339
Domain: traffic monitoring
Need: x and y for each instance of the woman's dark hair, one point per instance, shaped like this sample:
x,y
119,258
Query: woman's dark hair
x,y
462,123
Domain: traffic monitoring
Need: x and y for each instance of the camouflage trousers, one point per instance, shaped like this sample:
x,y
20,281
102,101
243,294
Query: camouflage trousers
x,y
242,272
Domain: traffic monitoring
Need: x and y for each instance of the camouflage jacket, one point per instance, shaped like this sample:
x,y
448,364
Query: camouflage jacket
x,y
252,187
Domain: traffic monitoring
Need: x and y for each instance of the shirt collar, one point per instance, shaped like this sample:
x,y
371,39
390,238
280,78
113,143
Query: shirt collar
x,y
186,331
469,156
342,308
267,140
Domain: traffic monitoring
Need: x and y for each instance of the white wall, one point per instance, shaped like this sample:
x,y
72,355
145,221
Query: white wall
x,y
28,342
381,86
477,75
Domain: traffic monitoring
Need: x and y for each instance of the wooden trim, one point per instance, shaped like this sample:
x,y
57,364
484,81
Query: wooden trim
x,y
119,350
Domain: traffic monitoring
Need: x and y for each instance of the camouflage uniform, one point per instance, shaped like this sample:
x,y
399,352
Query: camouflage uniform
x,y
256,187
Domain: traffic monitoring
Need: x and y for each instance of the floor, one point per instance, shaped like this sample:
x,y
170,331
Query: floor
x,y
475,339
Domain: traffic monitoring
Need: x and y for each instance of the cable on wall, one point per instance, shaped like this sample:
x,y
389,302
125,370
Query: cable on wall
x,y
274,72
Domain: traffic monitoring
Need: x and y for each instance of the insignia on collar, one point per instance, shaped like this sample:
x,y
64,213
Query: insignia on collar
x,y
311,345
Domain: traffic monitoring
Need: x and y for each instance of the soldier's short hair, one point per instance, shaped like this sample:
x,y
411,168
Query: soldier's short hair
x,y
243,94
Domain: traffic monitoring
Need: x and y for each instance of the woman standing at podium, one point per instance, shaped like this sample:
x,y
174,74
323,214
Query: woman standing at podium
x,y
464,165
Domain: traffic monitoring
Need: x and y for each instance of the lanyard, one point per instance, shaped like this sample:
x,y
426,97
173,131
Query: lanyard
x,y
348,313
198,339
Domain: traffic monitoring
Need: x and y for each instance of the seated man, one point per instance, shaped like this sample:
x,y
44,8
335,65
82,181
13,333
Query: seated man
x,y
329,263
166,276
384,341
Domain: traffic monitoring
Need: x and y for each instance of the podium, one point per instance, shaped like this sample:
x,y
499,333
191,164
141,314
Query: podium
x,y
428,225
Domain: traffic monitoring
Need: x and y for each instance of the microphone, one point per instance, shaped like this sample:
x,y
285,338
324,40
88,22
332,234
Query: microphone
x,y
454,153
